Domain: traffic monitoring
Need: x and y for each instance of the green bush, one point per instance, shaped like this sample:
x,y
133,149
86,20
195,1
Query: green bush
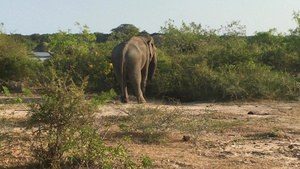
x,y
79,54
104,97
5,91
194,62
63,130
27,92
200,64
275,50
185,80
253,81
15,100
15,63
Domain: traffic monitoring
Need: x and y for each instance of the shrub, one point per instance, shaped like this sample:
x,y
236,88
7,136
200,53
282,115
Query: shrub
x,y
79,54
6,91
186,80
104,97
63,113
15,63
15,100
198,64
254,81
27,92
63,129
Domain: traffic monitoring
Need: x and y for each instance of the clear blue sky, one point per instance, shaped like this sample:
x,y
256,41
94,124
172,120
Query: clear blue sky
x,y
50,16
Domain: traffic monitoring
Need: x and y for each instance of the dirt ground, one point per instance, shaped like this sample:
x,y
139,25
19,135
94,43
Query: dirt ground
x,y
266,134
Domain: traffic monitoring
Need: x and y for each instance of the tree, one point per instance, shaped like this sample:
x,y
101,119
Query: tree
x,y
124,32
15,64
125,29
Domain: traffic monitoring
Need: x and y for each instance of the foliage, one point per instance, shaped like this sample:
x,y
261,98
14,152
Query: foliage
x,y
250,80
62,113
276,50
27,92
31,41
200,64
104,97
146,161
194,62
15,100
6,91
187,39
15,63
63,132
124,32
81,55
272,134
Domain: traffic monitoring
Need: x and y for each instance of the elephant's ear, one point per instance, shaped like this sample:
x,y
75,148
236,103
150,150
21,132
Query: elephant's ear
x,y
152,58
152,67
151,47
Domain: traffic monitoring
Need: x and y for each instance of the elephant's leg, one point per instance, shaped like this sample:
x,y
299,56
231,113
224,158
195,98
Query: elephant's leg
x,y
135,80
122,80
124,95
144,80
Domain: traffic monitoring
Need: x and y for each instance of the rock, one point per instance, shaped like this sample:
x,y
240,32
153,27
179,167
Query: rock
x,y
186,138
291,146
251,113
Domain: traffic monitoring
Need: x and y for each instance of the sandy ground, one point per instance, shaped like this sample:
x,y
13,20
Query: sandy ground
x,y
250,145
246,146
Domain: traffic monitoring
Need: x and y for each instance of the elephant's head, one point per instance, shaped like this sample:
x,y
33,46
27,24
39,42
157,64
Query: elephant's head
x,y
152,57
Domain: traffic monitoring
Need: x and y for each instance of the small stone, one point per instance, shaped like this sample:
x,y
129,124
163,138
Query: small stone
x,y
250,112
291,146
186,138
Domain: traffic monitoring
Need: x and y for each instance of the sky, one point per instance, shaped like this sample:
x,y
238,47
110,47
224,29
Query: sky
x,y
50,16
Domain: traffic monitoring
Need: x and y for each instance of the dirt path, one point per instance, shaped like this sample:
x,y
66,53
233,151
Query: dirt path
x,y
268,138
242,135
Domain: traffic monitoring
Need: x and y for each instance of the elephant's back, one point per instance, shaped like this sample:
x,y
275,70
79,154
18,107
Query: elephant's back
x,y
118,49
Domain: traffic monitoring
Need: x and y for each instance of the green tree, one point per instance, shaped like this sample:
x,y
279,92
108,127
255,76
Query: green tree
x,y
294,43
15,63
124,32
186,39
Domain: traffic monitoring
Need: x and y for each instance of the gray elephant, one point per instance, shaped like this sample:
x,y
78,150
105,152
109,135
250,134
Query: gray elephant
x,y
136,60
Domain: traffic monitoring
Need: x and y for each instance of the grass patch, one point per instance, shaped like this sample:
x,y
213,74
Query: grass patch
x,y
152,125
239,140
148,125
16,100
27,92
12,122
221,126
104,97
260,136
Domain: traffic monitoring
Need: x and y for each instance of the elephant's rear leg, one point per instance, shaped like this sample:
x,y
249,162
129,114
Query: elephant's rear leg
x,y
122,80
124,95
135,80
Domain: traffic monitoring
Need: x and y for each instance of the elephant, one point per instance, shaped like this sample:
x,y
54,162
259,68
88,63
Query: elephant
x,y
134,60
